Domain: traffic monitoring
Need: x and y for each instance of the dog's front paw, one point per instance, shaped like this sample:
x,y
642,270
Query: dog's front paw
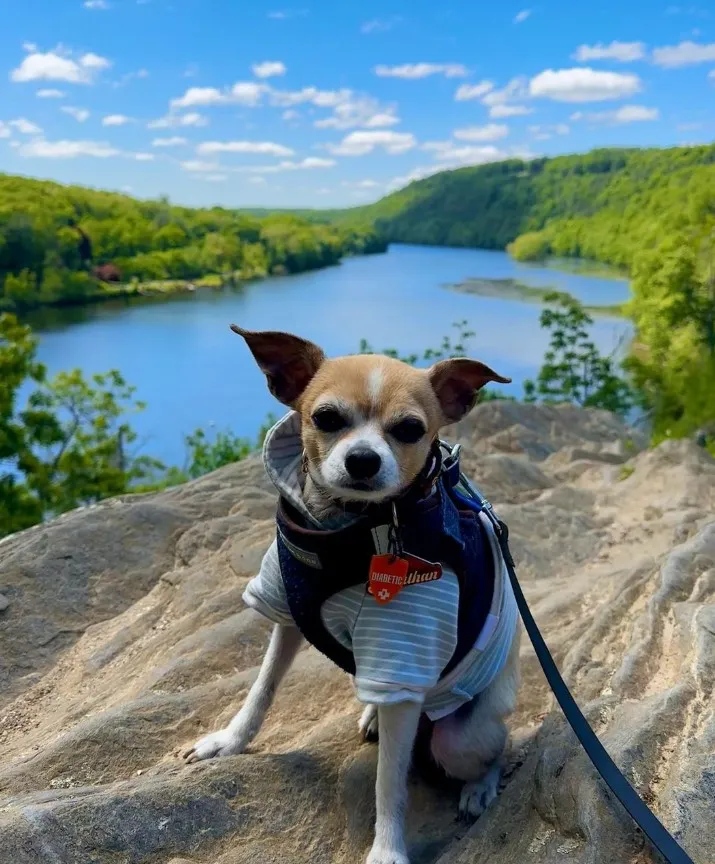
x,y
477,796
221,743
380,854
368,724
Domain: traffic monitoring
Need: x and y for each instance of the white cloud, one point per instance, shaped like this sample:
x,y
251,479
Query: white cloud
x,y
473,91
30,47
174,141
490,132
417,174
130,76
412,71
583,85
635,114
380,119
4,130
509,111
171,121
449,157
361,184
263,147
199,96
144,157
624,52
25,127
500,101
53,66
290,114
247,93
257,180
79,114
308,164
268,69
311,163
116,120
544,133
361,142
626,114
94,61
285,14
711,74
215,178
50,94
41,149
470,155
359,111
520,17
199,165
96,4
380,25
319,98
684,54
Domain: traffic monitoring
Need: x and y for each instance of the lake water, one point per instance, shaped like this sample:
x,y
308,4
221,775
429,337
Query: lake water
x,y
192,371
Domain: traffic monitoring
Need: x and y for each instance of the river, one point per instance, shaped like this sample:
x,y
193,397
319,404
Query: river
x,y
192,371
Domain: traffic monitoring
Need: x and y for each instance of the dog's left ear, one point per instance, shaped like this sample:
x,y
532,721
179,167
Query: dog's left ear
x,y
288,362
457,383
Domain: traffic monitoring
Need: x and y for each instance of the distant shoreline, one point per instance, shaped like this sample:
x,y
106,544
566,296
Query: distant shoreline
x,y
512,289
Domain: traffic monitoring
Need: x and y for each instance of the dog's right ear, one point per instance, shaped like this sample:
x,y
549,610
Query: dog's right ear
x,y
288,362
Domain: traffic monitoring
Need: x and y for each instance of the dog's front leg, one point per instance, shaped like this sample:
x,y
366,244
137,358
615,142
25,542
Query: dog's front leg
x,y
397,730
284,645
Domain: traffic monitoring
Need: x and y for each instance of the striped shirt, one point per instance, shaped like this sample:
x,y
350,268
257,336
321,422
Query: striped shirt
x,y
400,648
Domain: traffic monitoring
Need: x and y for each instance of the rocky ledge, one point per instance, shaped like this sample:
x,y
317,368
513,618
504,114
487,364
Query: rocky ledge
x,y
123,637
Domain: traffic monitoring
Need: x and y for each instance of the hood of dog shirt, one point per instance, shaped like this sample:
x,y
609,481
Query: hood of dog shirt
x,y
283,461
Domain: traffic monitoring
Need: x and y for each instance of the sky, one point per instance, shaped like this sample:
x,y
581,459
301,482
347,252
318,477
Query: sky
x,y
328,103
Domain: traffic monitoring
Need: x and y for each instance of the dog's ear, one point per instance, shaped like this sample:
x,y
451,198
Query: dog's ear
x,y
457,383
288,362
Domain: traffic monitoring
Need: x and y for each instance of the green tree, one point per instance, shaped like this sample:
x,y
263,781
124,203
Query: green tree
x,y
69,445
573,369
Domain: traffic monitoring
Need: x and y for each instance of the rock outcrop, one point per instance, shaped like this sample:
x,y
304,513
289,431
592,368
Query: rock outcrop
x,y
123,638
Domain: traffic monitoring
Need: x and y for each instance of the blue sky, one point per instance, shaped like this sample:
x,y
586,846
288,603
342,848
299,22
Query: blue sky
x,y
332,103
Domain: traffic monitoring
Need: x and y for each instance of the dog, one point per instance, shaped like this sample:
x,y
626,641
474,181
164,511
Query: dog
x,y
361,439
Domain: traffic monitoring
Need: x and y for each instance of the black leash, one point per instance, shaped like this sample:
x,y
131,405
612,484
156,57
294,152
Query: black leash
x,y
651,826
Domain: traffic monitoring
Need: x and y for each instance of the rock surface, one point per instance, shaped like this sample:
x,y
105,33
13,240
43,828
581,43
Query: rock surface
x,y
125,638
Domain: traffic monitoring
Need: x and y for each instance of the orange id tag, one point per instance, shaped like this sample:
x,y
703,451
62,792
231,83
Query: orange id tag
x,y
389,574
419,571
387,577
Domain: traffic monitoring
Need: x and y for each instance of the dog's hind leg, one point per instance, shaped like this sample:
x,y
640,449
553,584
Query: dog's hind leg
x,y
244,727
469,744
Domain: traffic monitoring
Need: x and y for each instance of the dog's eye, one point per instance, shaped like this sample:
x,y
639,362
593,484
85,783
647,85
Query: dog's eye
x,y
408,431
329,420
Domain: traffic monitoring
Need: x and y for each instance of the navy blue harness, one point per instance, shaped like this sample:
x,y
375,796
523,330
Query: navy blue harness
x,y
437,526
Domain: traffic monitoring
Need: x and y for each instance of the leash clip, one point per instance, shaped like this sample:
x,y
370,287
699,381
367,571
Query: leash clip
x,y
394,539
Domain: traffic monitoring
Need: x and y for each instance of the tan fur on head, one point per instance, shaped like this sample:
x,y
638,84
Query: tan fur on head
x,y
365,404
378,391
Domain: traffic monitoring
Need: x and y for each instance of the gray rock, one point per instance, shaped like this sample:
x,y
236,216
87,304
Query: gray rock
x,y
127,639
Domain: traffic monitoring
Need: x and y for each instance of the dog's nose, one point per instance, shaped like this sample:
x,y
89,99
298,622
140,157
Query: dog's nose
x,y
362,463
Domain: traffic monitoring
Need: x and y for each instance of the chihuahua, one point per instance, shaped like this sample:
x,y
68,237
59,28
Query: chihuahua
x,y
361,441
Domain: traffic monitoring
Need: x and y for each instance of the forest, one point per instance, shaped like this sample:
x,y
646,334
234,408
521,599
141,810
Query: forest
x,y
55,241
650,212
